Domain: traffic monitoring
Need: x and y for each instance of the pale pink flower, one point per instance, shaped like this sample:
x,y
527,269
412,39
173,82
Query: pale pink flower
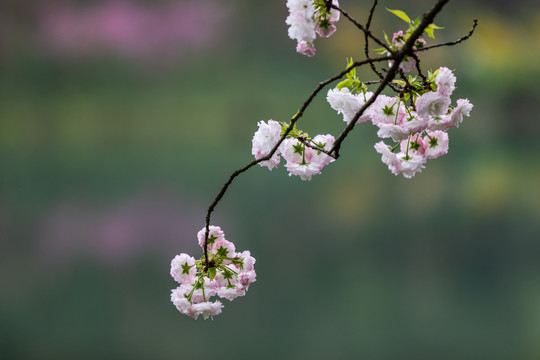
x,y
388,157
215,233
395,131
432,104
207,309
386,110
224,248
445,81
413,145
183,268
414,123
411,164
264,140
230,292
311,163
436,144
245,278
305,171
305,48
327,141
197,295
334,14
348,104
181,302
388,114
304,24
326,31
300,20
248,261
455,118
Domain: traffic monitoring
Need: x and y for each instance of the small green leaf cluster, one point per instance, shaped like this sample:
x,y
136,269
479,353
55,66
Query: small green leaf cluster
x,y
352,82
322,14
216,263
415,86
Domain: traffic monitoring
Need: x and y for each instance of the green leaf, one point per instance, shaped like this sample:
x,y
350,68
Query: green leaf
x,y
399,82
212,273
352,73
344,83
386,38
429,30
400,14
222,251
298,148
185,268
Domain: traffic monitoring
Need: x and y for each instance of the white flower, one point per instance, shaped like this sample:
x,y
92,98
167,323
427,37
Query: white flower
x,y
445,81
436,144
388,157
386,110
432,104
411,164
310,163
348,104
264,140
183,268
207,309
455,118
300,20
214,233
414,123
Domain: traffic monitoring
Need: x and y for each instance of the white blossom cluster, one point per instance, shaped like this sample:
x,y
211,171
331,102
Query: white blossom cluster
x,y
301,160
418,126
227,275
307,19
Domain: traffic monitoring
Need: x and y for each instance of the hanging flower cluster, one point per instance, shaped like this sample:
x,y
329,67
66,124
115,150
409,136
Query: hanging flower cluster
x,y
305,156
307,19
227,275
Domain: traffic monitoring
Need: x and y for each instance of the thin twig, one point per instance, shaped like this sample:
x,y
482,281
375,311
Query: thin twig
x,y
397,57
451,43
360,26
304,141
294,119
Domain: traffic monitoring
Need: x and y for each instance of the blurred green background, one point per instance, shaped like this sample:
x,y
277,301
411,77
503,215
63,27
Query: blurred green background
x,y
120,120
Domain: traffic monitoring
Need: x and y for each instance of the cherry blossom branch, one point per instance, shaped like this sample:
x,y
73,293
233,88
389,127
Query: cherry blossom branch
x,y
398,57
294,119
416,119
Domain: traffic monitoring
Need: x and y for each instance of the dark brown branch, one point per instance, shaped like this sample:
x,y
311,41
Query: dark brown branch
x,y
360,27
294,119
306,143
418,69
451,43
366,41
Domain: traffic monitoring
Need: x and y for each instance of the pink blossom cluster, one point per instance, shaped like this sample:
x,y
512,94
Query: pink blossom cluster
x,y
307,19
227,275
417,125
302,160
